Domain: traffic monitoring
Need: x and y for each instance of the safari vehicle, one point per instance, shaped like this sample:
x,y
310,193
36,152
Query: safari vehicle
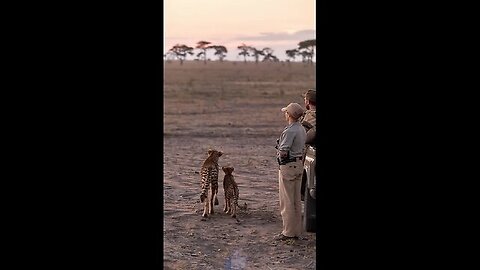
x,y
309,182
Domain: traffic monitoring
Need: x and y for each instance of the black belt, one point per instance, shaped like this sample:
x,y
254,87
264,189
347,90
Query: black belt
x,y
285,161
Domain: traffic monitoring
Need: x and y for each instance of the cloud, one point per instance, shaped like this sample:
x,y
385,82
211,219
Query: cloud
x,y
299,35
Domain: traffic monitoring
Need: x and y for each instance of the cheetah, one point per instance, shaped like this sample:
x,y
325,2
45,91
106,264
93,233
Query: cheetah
x,y
209,174
231,193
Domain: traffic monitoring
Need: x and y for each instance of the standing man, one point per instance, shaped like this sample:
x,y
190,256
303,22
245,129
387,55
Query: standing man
x,y
290,152
309,119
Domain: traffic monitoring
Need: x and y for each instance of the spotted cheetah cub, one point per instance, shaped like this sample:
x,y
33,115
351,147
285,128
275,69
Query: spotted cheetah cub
x,y
231,193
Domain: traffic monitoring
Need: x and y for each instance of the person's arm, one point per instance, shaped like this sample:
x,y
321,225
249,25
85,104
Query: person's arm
x,y
307,125
311,133
308,121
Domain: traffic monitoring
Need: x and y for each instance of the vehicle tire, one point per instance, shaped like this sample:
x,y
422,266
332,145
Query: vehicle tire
x,y
309,212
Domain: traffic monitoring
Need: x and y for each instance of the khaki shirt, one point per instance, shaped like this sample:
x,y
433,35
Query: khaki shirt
x,y
309,119
309,122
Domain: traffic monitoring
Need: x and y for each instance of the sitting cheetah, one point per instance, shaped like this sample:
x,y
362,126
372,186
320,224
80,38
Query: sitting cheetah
x,y
231,193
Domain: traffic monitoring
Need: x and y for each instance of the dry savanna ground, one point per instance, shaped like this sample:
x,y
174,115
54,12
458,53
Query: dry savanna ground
x,y
235,108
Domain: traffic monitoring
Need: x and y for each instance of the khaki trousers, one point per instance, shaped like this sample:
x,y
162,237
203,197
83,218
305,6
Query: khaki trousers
x,y
289,183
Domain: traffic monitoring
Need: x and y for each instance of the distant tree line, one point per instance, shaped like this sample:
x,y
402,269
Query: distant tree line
x,y
305,49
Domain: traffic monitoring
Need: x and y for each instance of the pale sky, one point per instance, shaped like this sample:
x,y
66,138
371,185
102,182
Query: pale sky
x,y
278,24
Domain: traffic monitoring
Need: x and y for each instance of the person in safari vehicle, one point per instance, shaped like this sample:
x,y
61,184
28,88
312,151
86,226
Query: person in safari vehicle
x,y
309,118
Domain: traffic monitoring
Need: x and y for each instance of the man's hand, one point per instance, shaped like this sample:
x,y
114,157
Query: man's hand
x,y
282,156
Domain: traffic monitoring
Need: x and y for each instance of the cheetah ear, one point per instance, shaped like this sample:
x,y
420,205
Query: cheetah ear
x,y
231,169
224,169
209,152
220,153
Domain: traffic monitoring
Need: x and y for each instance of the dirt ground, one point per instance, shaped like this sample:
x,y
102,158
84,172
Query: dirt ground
x,y
234,108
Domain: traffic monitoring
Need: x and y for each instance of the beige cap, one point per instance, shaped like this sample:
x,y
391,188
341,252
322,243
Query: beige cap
x,y
311,95
294,109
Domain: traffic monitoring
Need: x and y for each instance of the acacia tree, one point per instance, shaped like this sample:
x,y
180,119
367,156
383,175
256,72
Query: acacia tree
x,y
256,53
220,51
305,56
203,46
180,51
269,55
244,51
309,47
292,53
